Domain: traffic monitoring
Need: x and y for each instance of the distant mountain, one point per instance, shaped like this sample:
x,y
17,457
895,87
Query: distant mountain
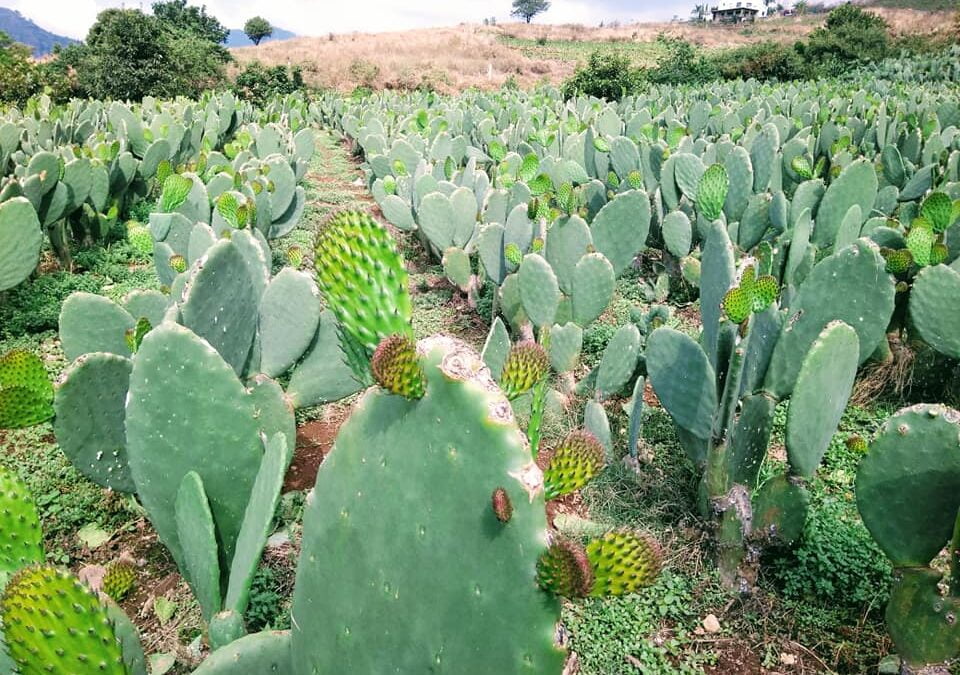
x,y
22,29
238,38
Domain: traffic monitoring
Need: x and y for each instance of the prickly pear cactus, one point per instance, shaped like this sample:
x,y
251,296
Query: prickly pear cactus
x,y
908,492
119,579
21,541
55,624
410,481
26,394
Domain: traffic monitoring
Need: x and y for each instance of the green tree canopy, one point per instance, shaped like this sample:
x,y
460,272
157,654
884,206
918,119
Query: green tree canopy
x,y
850,36
178,16
257,28
527,9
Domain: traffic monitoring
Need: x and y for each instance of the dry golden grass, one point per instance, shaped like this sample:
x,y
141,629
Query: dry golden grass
x,y
454,58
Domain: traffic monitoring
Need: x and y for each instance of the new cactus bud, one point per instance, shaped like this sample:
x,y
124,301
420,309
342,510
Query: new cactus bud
x,y
712,191
690,270
295,257
765,292
737,304
119,579
635,178
801,166
396,367
178,263
537,245
601,144
572,464
175,191
623,562
502,507
134,336
164,171
564,569
390,185
140,238
527,364
613,179
540,185
937,209
513,254
939,253
898,260
857,444
399,168
920,240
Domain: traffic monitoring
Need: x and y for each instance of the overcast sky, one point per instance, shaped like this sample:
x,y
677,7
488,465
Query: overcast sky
x,y
319,17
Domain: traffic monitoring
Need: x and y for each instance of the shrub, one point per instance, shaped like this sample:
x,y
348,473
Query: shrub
x,y
606,75
19,77
258,83
763,61
681,64
849,37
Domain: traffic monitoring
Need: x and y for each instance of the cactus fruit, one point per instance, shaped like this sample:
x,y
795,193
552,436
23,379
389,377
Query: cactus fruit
x,y
26,394
623,562
502,506
572,464
564,569
526,365
396,367
712,191
363,279
119,579
55,624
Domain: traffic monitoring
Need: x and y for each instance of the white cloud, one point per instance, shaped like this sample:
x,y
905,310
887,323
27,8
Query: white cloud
x,y
319,17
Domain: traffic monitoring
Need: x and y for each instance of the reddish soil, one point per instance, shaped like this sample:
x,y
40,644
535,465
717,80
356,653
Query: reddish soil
x,y
736,658
314,442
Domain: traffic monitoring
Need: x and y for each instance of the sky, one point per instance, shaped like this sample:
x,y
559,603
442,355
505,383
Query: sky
x,y
320,17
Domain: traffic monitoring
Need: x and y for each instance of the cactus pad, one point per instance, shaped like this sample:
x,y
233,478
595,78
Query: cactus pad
x,y
623,562
564,569
363,279
920,240
176,188
55,624
573,463
937,209
712,191
526,364
26,395
738,304
396,367
20,535
898,260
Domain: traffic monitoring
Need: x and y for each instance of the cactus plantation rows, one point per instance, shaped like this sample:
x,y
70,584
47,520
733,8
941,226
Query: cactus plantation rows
x,y
774,247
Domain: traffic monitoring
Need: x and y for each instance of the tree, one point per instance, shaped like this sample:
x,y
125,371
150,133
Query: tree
x,y
177,16
257,28
125,56
19,77
849,37
527,9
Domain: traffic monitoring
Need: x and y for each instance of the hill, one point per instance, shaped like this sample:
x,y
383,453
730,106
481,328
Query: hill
x,y
23,30
238,38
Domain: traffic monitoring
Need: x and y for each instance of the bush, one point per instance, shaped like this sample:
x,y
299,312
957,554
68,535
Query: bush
x,y
681,64
850,37
19,76
606,75
258,83
763,61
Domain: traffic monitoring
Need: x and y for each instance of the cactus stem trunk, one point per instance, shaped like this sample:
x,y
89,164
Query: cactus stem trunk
x,y
955,559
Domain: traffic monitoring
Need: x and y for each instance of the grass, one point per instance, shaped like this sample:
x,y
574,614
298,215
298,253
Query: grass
x,y
643,54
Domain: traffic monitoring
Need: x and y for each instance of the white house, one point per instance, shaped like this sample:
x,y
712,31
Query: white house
x,y
738,11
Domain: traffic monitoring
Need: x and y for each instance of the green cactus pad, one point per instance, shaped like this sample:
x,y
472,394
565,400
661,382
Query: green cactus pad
x,y
21,540
539,290
572,464
408,479
89,426
820,396
21,238
856,185
187,411
908,484
592,290
289,316
738,304
620,229
935,308
363,279
324,374
564,570
619,360
264,652
198,542
921,621
712,192
396,367
623,562
683,379
780,510
55,624
119,579
527,364
566,341
801,166
93,323
920,240
937,209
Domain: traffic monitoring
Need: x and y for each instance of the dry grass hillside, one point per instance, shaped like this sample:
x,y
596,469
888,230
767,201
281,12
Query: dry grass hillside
x,y
453,58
